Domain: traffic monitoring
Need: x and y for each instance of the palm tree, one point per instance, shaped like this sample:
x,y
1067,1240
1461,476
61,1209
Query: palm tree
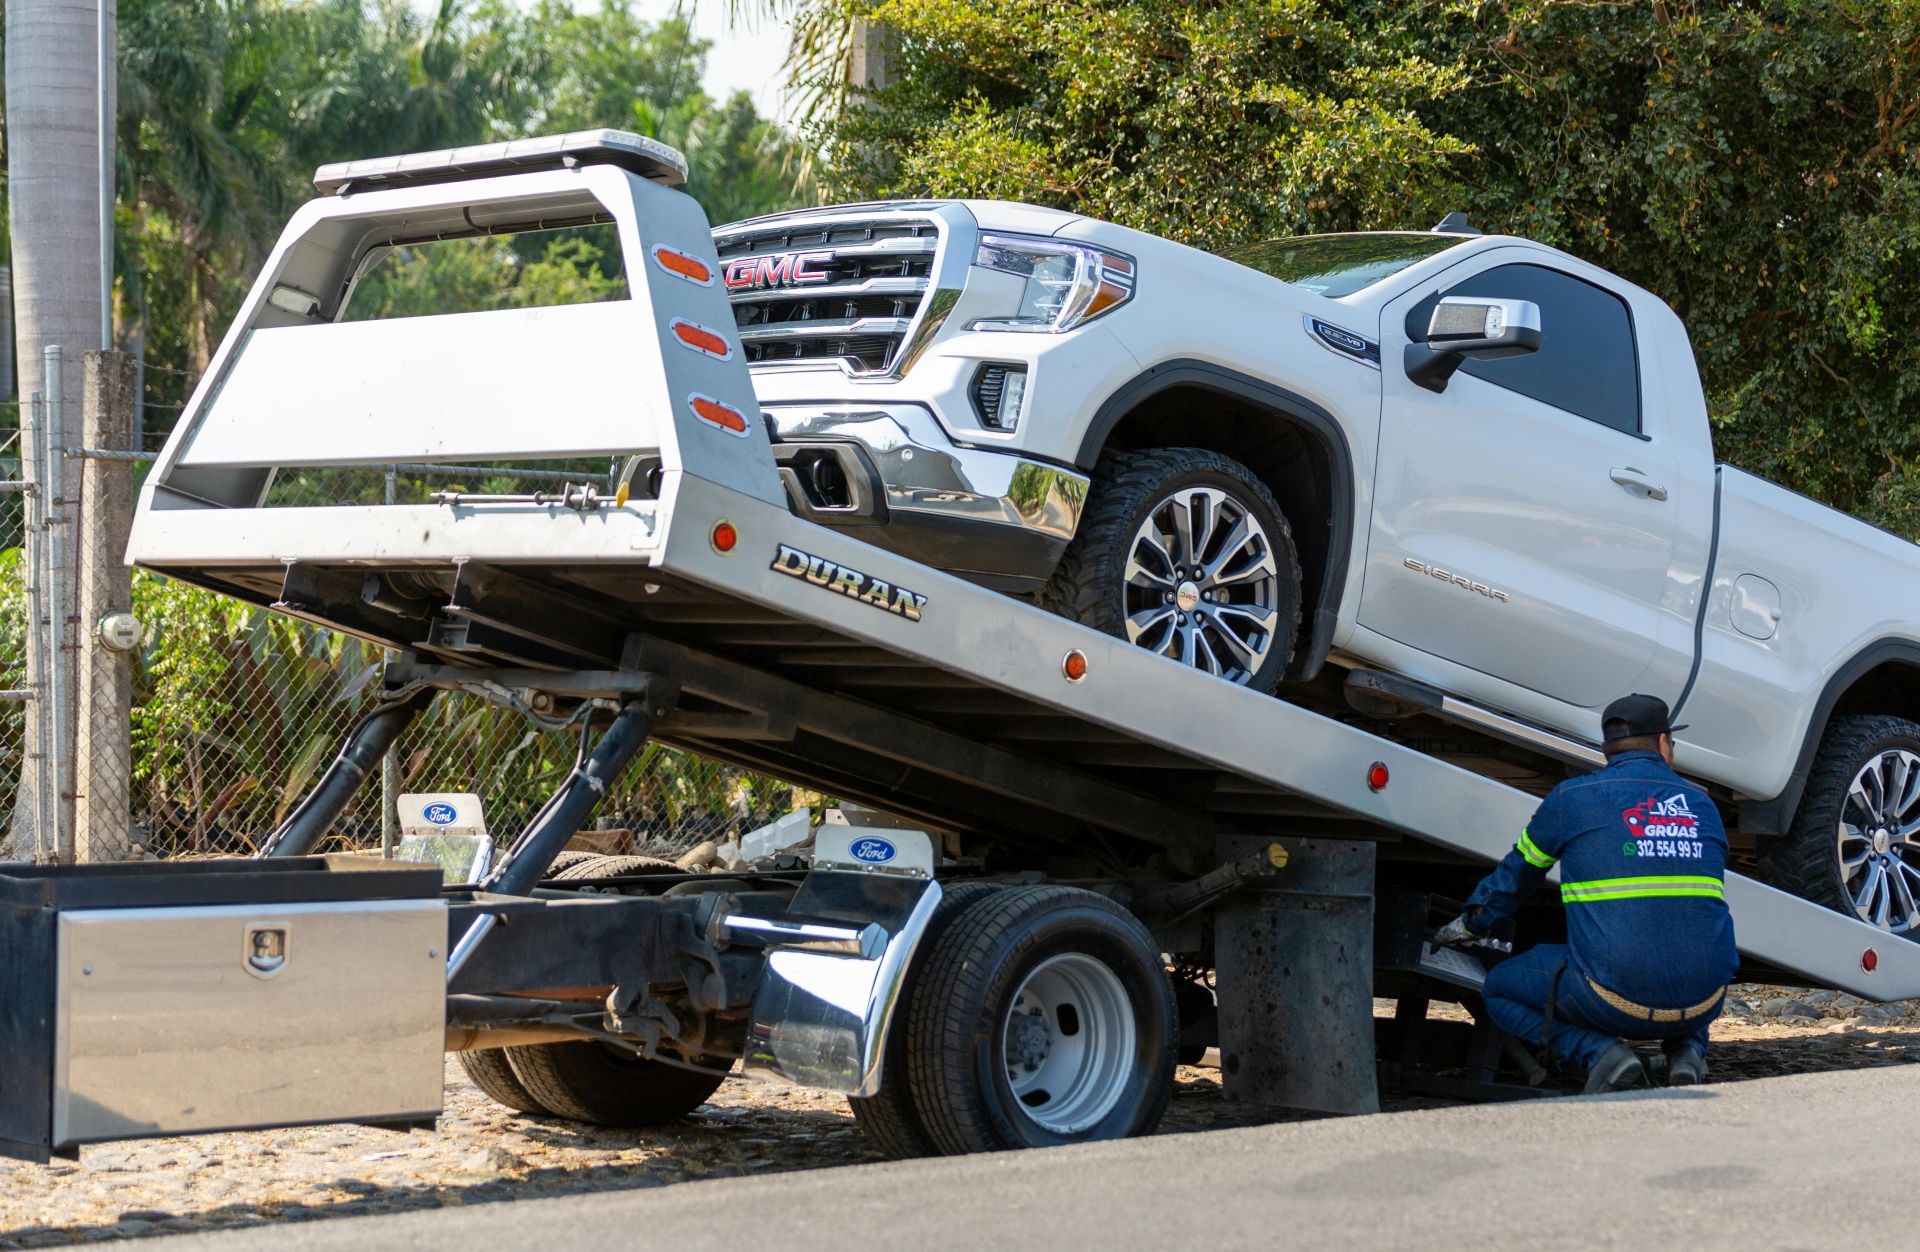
x,y
833,51
52,71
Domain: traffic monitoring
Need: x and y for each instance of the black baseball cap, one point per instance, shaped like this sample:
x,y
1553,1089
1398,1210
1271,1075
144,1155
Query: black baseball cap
x,y
1632,716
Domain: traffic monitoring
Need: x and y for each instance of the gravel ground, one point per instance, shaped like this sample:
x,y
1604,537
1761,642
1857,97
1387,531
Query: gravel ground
x,y
482,1153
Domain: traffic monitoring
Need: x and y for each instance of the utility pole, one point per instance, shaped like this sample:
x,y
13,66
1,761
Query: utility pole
x,y
871,66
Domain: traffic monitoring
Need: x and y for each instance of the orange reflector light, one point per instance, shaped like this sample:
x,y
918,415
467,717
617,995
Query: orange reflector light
x,y
1377,776
1105,296
723,536
1075,666
725,416
1869,960
682,265
700,339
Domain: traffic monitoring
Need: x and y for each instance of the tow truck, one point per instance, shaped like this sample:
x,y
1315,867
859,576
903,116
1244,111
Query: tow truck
x,y
1093,861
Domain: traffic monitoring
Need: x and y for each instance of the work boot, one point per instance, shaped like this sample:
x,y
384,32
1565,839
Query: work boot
x,y
1685,1066
1619,1070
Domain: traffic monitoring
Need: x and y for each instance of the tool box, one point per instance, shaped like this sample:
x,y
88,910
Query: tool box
x,y
139,1000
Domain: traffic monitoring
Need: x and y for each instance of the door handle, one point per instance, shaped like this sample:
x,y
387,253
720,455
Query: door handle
x,y
1635,480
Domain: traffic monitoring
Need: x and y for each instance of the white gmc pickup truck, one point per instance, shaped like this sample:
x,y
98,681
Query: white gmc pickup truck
x,y
1461,486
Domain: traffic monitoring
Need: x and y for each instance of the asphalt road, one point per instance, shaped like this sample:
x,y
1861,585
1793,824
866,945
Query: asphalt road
x,y
1810,1161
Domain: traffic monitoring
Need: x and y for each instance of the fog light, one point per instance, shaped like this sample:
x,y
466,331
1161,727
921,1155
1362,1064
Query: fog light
x,y
999,391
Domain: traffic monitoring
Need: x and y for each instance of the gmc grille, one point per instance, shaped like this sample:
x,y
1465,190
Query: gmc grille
x,y
843,290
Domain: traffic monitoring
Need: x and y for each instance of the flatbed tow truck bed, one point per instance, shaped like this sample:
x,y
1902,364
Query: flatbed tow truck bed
x,y
692,606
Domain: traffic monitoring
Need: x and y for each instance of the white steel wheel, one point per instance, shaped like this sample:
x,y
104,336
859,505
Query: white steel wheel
x,y
1043,1016
1068,1040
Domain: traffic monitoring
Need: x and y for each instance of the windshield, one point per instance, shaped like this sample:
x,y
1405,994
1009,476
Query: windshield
x,y
1339,265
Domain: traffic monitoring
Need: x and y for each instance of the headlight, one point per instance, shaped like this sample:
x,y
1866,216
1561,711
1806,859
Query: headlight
x,y
1067,283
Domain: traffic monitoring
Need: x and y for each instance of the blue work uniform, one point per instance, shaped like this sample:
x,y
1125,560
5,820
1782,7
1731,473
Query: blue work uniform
x,y
1650,951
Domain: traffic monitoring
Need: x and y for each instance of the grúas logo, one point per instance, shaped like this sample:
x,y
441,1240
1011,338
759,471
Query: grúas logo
x,y
873,850
1657,827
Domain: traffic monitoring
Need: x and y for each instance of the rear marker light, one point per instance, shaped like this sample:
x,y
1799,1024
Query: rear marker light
x,y
709,342
1074,667
717,413
1377,776
1869,960
723,537
682,265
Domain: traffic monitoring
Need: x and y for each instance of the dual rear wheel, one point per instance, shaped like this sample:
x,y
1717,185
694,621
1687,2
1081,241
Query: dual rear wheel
x,y
1033,1016
589,1082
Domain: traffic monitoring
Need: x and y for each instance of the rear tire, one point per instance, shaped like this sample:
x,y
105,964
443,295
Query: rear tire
x,y
889,1117
570,858
1845,849
1045,1017
606,866
489,1070
1185,552
595,1082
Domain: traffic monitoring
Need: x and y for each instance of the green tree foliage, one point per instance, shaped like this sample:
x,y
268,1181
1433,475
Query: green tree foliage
x,y
1756,165
1208,123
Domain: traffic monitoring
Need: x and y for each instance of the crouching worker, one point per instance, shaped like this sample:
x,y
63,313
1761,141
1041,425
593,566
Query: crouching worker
x,y
1650,948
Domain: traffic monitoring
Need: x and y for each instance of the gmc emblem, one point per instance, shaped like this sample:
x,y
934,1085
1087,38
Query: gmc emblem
x,y
779,269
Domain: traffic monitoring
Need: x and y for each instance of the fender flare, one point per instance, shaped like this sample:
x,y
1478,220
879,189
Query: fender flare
x,y
1773,817
1186,372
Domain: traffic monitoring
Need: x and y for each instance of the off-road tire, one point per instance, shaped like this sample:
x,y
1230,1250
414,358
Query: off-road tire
x,y
1086,586
889,1118
489,1070
594,1082
956,1062
570,858
602,865
1804,861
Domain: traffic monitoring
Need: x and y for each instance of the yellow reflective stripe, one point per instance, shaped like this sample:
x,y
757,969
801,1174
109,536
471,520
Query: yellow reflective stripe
x,y
1531,850
1699,885
1645,893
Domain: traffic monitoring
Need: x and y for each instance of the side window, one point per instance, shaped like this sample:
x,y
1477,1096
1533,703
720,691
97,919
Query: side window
x,y
1586,363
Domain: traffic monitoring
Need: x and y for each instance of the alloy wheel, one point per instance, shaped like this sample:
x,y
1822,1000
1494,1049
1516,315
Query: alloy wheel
x,y
1202,584
1878,841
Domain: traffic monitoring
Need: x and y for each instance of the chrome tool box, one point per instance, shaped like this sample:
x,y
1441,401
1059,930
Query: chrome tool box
x,y
155,999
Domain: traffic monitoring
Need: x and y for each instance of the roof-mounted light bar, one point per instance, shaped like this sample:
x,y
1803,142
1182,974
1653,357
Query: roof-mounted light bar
x,y
648,158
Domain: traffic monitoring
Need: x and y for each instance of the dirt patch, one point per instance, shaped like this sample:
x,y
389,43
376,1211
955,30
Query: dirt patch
x,y
482,1153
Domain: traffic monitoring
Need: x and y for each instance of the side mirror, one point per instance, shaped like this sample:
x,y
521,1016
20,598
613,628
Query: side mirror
x,y
1476,327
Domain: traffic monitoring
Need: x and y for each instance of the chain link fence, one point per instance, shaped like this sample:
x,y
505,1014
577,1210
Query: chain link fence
x,y
13,621
230,712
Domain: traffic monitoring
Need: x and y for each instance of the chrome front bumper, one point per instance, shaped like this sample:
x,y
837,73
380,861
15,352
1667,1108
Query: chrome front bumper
x,y
987,515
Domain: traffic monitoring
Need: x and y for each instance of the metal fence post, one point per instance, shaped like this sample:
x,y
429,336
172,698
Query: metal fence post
x,y
30,834
103,774
389,768
59,588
